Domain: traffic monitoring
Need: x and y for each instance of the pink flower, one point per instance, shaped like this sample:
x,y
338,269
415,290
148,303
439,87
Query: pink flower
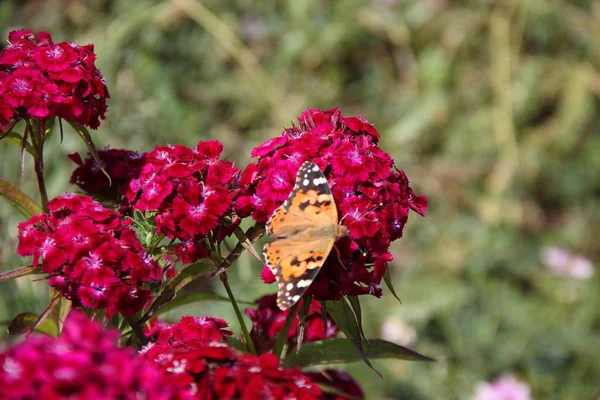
x,y
194,354
560,261
84,362
91,255
503,388
373,197
189,192
42,79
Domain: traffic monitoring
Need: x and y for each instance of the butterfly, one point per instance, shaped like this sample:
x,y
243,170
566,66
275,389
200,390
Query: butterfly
x,y
306,228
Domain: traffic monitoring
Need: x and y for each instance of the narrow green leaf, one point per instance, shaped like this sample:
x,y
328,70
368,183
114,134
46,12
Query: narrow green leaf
x,y
342,351
18,199
355,304
190,298
344,317
19,272
237,343
26,321
189,274
17,140
54,301
388,282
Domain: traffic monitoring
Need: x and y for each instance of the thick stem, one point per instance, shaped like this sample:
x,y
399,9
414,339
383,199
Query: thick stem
x,y
283,335
238,313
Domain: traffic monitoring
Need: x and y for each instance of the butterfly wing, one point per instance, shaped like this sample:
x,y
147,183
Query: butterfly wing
x,y
295,264
310,203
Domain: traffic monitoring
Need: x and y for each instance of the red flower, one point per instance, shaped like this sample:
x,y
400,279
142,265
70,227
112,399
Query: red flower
x,y
337,385
373,197
91,255
195,356
189,191
121,165
268,320
43,79
84,362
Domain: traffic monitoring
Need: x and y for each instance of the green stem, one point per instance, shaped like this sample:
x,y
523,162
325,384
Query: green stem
x,y
238,313
283,335
37,138
138,332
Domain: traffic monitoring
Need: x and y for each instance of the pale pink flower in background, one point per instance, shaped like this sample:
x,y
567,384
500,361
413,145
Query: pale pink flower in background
x,y
397,331
560,261
506,387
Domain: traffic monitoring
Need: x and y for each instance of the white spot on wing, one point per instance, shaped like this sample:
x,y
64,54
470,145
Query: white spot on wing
x,y
319,181
304,283
296,298
305,182
316,169
289,286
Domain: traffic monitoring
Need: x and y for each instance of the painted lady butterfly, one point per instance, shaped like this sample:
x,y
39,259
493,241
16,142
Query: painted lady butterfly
x,y
306,227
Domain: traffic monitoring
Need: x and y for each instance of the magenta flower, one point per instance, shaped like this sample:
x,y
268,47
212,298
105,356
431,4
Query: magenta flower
x,y
84,362
43,79
373,197
560,261
195,355
504,388
268,320
189,192
90,254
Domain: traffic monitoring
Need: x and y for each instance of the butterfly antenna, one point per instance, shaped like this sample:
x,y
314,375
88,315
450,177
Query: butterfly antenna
x,y
360,216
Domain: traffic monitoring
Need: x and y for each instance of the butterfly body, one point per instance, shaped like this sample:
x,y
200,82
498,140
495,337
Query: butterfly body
x,y
306,227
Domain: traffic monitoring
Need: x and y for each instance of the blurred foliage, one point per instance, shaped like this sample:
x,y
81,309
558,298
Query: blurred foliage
x,y
491,107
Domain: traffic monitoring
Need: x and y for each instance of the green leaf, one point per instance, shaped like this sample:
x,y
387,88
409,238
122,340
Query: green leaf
x,y
237,343
17,140
344,317
189,274
26,321
388,282
19,272
190,298
170,291
23,203
341,351
355,304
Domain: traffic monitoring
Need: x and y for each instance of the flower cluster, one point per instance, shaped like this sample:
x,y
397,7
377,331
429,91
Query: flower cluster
x,y
268,320
43,79
190,193
194,355
90,255
120,165
373,197
84,362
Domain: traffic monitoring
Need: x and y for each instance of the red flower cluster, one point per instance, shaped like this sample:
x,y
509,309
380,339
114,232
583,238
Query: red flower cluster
x,y
83,363
373,197
90,254
43,79
189,191
268,320
121,165
343,385
193,355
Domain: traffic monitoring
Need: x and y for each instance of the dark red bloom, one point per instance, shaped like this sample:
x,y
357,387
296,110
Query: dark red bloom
x,y
337,385
84,362
373,197
43,79
90,254
268,320
121,165
195,355
189,192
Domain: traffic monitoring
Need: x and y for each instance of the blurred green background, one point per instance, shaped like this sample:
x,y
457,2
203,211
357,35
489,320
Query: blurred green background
x,y
491,107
